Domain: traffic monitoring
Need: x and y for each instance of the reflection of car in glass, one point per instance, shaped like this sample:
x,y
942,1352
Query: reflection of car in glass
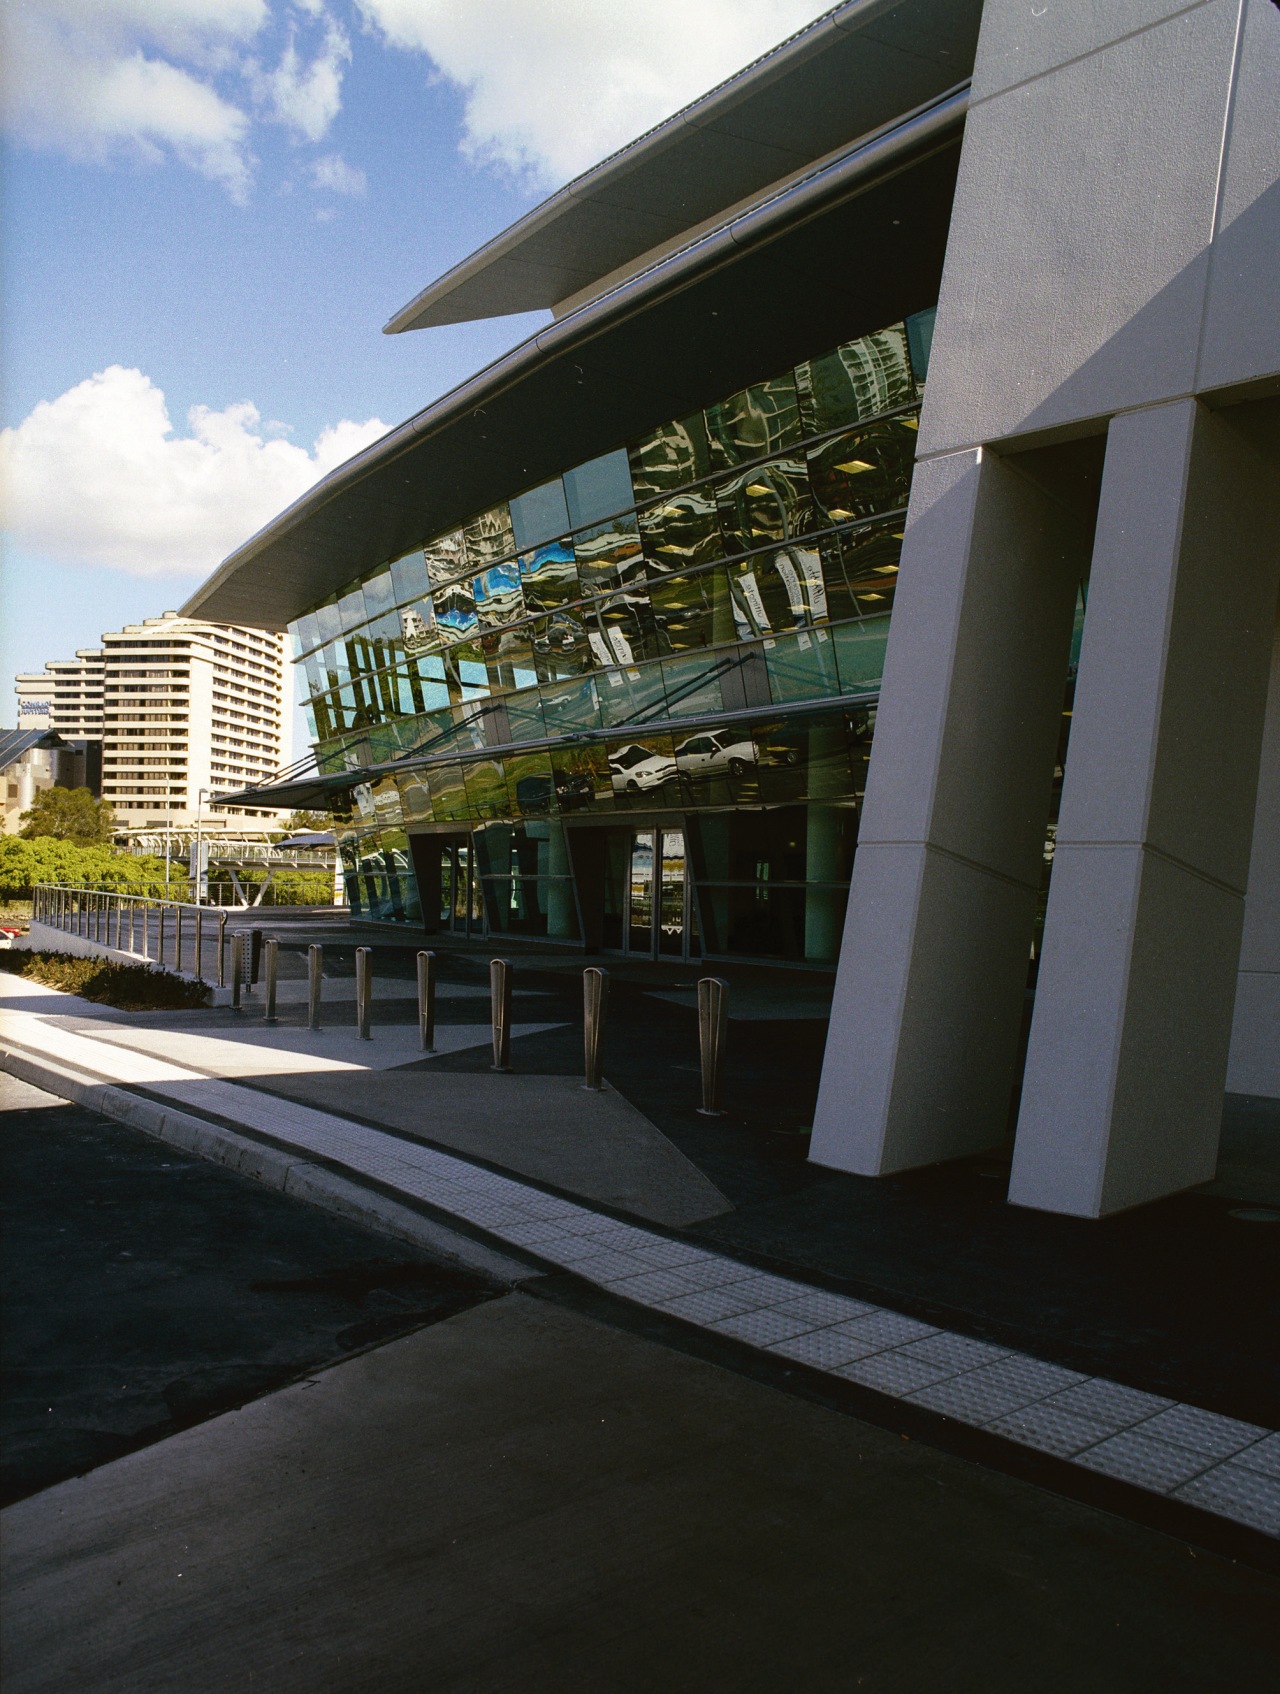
x,y
711,754
634,768
533,794
574,788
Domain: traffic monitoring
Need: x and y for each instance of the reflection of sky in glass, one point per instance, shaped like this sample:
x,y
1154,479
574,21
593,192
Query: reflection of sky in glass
x,y
455,613
497,595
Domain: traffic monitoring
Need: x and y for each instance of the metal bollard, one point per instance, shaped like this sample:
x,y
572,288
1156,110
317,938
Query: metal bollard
x,y
199,960
222,949
427,1002
160,934
364,990
146,930
595,1002
315,976
713,1028
500,1011
255,956
237,968
272,951
177,938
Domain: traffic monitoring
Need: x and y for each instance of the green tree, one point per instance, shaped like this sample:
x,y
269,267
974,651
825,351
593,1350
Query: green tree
x,y
23,863
69,814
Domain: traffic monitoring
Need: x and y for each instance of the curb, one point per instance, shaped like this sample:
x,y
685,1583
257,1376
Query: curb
x,y
285,1172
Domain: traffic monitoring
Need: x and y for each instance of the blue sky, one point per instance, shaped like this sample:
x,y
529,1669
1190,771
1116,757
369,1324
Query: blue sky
x,y
221,202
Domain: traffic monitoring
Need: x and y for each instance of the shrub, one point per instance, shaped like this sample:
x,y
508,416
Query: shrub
x,y
47,858
129,988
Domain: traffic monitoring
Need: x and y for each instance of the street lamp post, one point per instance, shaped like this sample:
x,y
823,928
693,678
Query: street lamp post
x,y
198,867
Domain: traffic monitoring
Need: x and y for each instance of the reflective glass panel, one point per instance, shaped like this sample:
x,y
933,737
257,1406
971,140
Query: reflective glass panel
x,y
671,876
860,649
754,423
598,489
683,531
445,558
774,592
864,473
610,557
328,622
416,631
351,612
717,765
920,341
509,656
581,775
672,456
642,771
640,893
454,611
621,629
693,684
409,576
306,633
858,380
486,786
530,784
498,597
860,569
567,706
448,793
801,666
489,537
539,515
693,611
625,693
524,714
769,503
560,646
379,594
550,577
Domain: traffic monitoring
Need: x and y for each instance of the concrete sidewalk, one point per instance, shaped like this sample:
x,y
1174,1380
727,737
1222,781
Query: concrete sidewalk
x,y
1196,1463
520,1500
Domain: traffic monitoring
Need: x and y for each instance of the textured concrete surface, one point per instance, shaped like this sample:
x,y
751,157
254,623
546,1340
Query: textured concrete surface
x,y
521,1499
550,1128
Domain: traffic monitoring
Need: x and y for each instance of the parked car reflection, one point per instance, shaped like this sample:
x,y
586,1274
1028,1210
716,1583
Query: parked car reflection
x,y
634,769
716,753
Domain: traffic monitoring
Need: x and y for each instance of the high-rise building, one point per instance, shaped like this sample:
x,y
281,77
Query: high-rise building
x,y
66,696
189,709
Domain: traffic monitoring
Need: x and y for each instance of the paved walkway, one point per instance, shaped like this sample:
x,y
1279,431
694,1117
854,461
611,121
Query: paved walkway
x,y
1200,1459
520,1500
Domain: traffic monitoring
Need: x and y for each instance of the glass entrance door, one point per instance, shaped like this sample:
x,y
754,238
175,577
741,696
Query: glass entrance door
x,y
461,905
647,910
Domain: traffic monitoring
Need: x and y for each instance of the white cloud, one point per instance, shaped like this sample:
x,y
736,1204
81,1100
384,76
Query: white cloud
x,y
149,79
334,173
552,86
98,476
89,82
306,98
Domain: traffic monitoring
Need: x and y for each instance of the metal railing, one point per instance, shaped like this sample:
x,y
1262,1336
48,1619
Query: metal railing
x,y
174,933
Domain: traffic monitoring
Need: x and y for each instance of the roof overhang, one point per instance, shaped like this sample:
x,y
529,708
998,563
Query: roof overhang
x,y
849,73
854,245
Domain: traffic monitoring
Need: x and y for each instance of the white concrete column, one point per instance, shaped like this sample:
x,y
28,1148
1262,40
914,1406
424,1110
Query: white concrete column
x,y
928,1004
1254,1064
1122,1093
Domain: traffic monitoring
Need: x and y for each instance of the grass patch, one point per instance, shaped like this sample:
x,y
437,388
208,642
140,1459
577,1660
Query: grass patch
x,y
129,988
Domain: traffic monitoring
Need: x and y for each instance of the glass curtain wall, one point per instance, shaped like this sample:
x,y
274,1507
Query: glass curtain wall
x,y
570,652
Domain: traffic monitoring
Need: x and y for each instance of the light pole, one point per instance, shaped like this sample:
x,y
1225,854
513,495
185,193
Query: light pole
x,y
198,867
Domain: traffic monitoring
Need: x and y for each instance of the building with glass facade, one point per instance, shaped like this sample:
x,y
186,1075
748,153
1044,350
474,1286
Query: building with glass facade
x,y
903,404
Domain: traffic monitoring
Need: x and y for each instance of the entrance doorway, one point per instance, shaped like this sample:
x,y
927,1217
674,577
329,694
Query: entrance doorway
x,y
461,903
647,900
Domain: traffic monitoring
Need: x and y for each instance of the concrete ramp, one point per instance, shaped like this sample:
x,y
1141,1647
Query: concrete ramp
x,y
549,1128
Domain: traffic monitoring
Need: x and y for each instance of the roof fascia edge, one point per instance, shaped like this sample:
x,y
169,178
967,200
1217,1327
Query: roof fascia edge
x,y
865,164
700,114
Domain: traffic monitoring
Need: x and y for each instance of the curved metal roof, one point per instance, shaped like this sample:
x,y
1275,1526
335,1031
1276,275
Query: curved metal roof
x,y
849,247
852,71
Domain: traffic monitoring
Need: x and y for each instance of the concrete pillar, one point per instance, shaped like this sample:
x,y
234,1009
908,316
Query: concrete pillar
x,y
933,965
1254,1063
1122,1093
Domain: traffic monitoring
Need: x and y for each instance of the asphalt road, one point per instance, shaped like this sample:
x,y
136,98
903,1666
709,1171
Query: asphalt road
x,y
144,1290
